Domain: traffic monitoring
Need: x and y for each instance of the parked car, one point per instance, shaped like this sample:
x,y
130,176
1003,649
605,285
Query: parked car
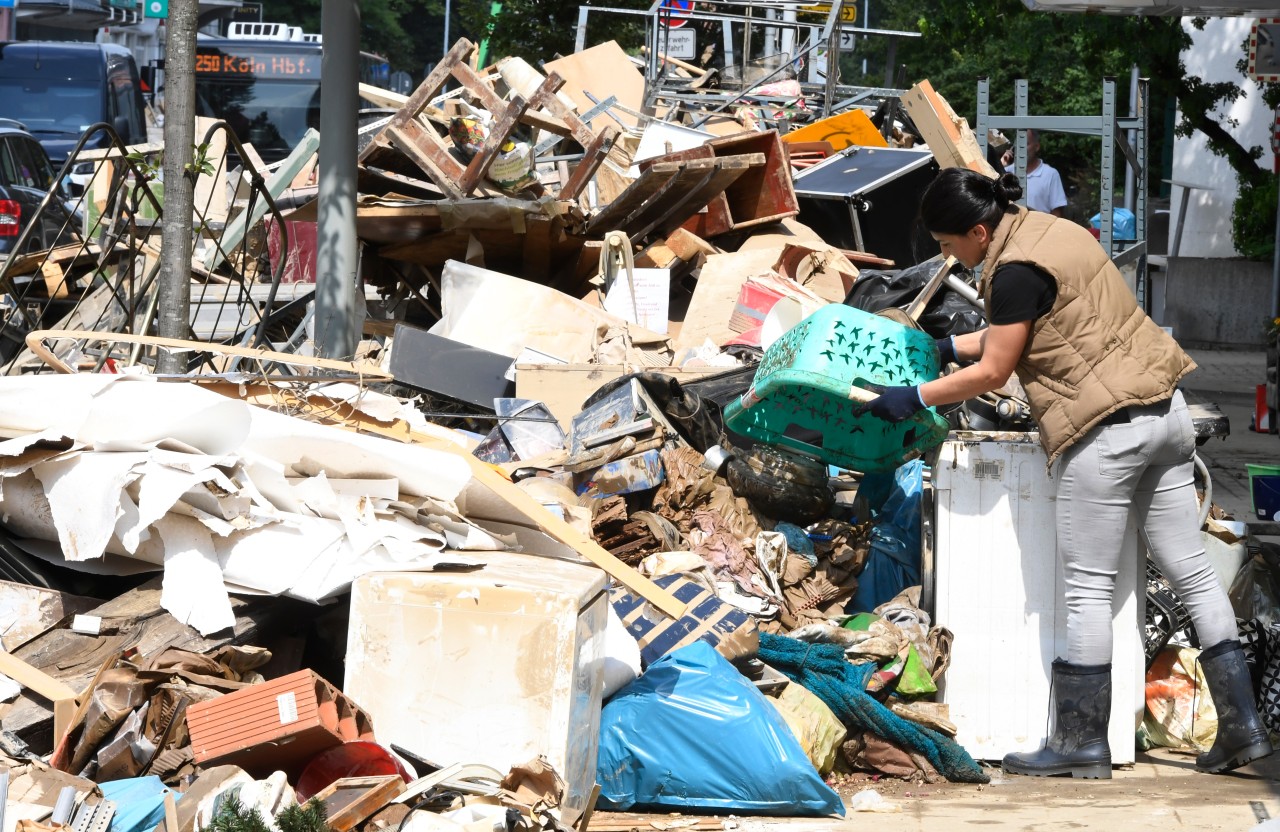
x,y
58,90
26,176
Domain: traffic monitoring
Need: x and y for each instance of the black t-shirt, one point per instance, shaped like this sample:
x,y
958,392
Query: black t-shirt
x,y
1020,292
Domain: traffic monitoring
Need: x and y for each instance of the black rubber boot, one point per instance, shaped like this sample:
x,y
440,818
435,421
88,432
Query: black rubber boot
x,y
1081,695
1242,737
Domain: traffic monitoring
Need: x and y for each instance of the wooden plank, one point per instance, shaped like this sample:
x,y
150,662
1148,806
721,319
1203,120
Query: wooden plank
x,y
637,193
423,95
55,281
431,250
61,697
387,98
35,342
725,171
351,800
656,255
65,255
33,678
591,160
688,245
478,87
949,138
546,98
140,623
428,152
671,197
537,248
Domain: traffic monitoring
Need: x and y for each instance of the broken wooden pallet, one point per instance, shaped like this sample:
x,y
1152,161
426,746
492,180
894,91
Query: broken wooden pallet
x,y
667,193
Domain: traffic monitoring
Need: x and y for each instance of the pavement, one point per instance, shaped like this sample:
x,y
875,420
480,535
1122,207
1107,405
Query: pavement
x,y
1229,378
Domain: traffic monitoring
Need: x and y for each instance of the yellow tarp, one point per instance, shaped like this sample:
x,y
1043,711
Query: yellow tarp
x,y
842,130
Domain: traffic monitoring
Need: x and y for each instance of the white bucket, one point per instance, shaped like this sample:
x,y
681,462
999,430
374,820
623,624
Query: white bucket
x,y
785,314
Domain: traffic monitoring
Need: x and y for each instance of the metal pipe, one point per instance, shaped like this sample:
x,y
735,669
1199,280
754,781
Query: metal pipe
x,y
1132,135
1275,264
337,319
65,805
448,7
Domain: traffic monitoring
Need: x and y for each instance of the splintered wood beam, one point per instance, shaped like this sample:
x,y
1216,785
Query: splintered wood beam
x,y
546,99
428,152
591,162
432,84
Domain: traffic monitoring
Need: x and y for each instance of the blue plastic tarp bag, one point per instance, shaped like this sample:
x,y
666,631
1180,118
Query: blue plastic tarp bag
x,y
139,803
1124,225
692,732
893,564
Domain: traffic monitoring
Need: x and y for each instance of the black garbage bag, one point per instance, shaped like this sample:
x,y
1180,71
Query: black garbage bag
x,y
948,313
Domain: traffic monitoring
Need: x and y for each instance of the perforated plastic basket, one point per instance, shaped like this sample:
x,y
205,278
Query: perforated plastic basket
x,y
806,377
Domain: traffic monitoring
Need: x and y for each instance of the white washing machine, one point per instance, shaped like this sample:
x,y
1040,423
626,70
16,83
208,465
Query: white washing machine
x,y
998,587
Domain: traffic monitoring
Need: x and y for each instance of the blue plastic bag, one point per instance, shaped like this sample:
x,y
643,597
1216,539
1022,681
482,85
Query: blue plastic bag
x,y
692,732
139,803
893,563
1124,225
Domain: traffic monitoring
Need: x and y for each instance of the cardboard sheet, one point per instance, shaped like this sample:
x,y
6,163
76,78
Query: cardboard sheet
x,y
602,71
719,282
505,314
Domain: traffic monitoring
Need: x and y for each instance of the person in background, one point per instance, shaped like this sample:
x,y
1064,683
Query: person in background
x,y
1044,185
1102,381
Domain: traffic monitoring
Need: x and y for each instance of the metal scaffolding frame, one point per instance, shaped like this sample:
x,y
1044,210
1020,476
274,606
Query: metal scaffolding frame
x,y
1109,126
755,16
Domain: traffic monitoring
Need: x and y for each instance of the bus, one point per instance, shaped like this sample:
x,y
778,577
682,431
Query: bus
x,y
267,86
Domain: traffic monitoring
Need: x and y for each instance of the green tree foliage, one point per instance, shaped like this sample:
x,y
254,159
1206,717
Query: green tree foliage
x,y
407,32
233,816
1063,57
538,30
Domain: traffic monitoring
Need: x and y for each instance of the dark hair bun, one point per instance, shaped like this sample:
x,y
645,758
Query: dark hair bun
x,y
1008,189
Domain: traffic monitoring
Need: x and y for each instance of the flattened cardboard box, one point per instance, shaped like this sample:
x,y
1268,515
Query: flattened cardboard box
x,y
277,724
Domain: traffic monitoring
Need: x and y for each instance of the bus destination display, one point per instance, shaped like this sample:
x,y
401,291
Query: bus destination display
x,y
258,66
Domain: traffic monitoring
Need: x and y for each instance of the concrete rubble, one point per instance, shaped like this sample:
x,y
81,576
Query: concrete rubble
x,y
543,551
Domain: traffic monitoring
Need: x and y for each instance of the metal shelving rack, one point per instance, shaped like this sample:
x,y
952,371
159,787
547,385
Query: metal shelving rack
x,y
1108,126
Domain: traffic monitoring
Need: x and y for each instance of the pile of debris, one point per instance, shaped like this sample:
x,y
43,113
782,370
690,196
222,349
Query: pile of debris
x,y
510,563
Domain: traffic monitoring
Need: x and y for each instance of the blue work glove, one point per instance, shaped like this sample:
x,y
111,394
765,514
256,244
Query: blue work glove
x,y
894,404
946,351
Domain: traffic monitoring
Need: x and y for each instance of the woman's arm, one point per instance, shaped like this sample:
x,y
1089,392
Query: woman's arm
x,y
969,345
998,348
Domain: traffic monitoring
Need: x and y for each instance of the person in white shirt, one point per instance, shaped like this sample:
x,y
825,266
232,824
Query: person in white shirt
x,y
1044,185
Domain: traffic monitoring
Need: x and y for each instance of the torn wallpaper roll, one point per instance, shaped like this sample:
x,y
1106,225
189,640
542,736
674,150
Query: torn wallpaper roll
x,y
104,470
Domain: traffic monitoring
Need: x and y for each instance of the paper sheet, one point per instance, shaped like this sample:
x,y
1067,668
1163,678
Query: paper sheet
x,y
202,486
652,296
192,589
84,495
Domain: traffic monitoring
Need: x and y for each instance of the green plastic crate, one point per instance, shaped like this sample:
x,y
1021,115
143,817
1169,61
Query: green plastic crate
x,y
805,380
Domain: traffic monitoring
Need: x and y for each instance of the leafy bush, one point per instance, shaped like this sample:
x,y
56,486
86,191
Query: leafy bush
x,y
1253,218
